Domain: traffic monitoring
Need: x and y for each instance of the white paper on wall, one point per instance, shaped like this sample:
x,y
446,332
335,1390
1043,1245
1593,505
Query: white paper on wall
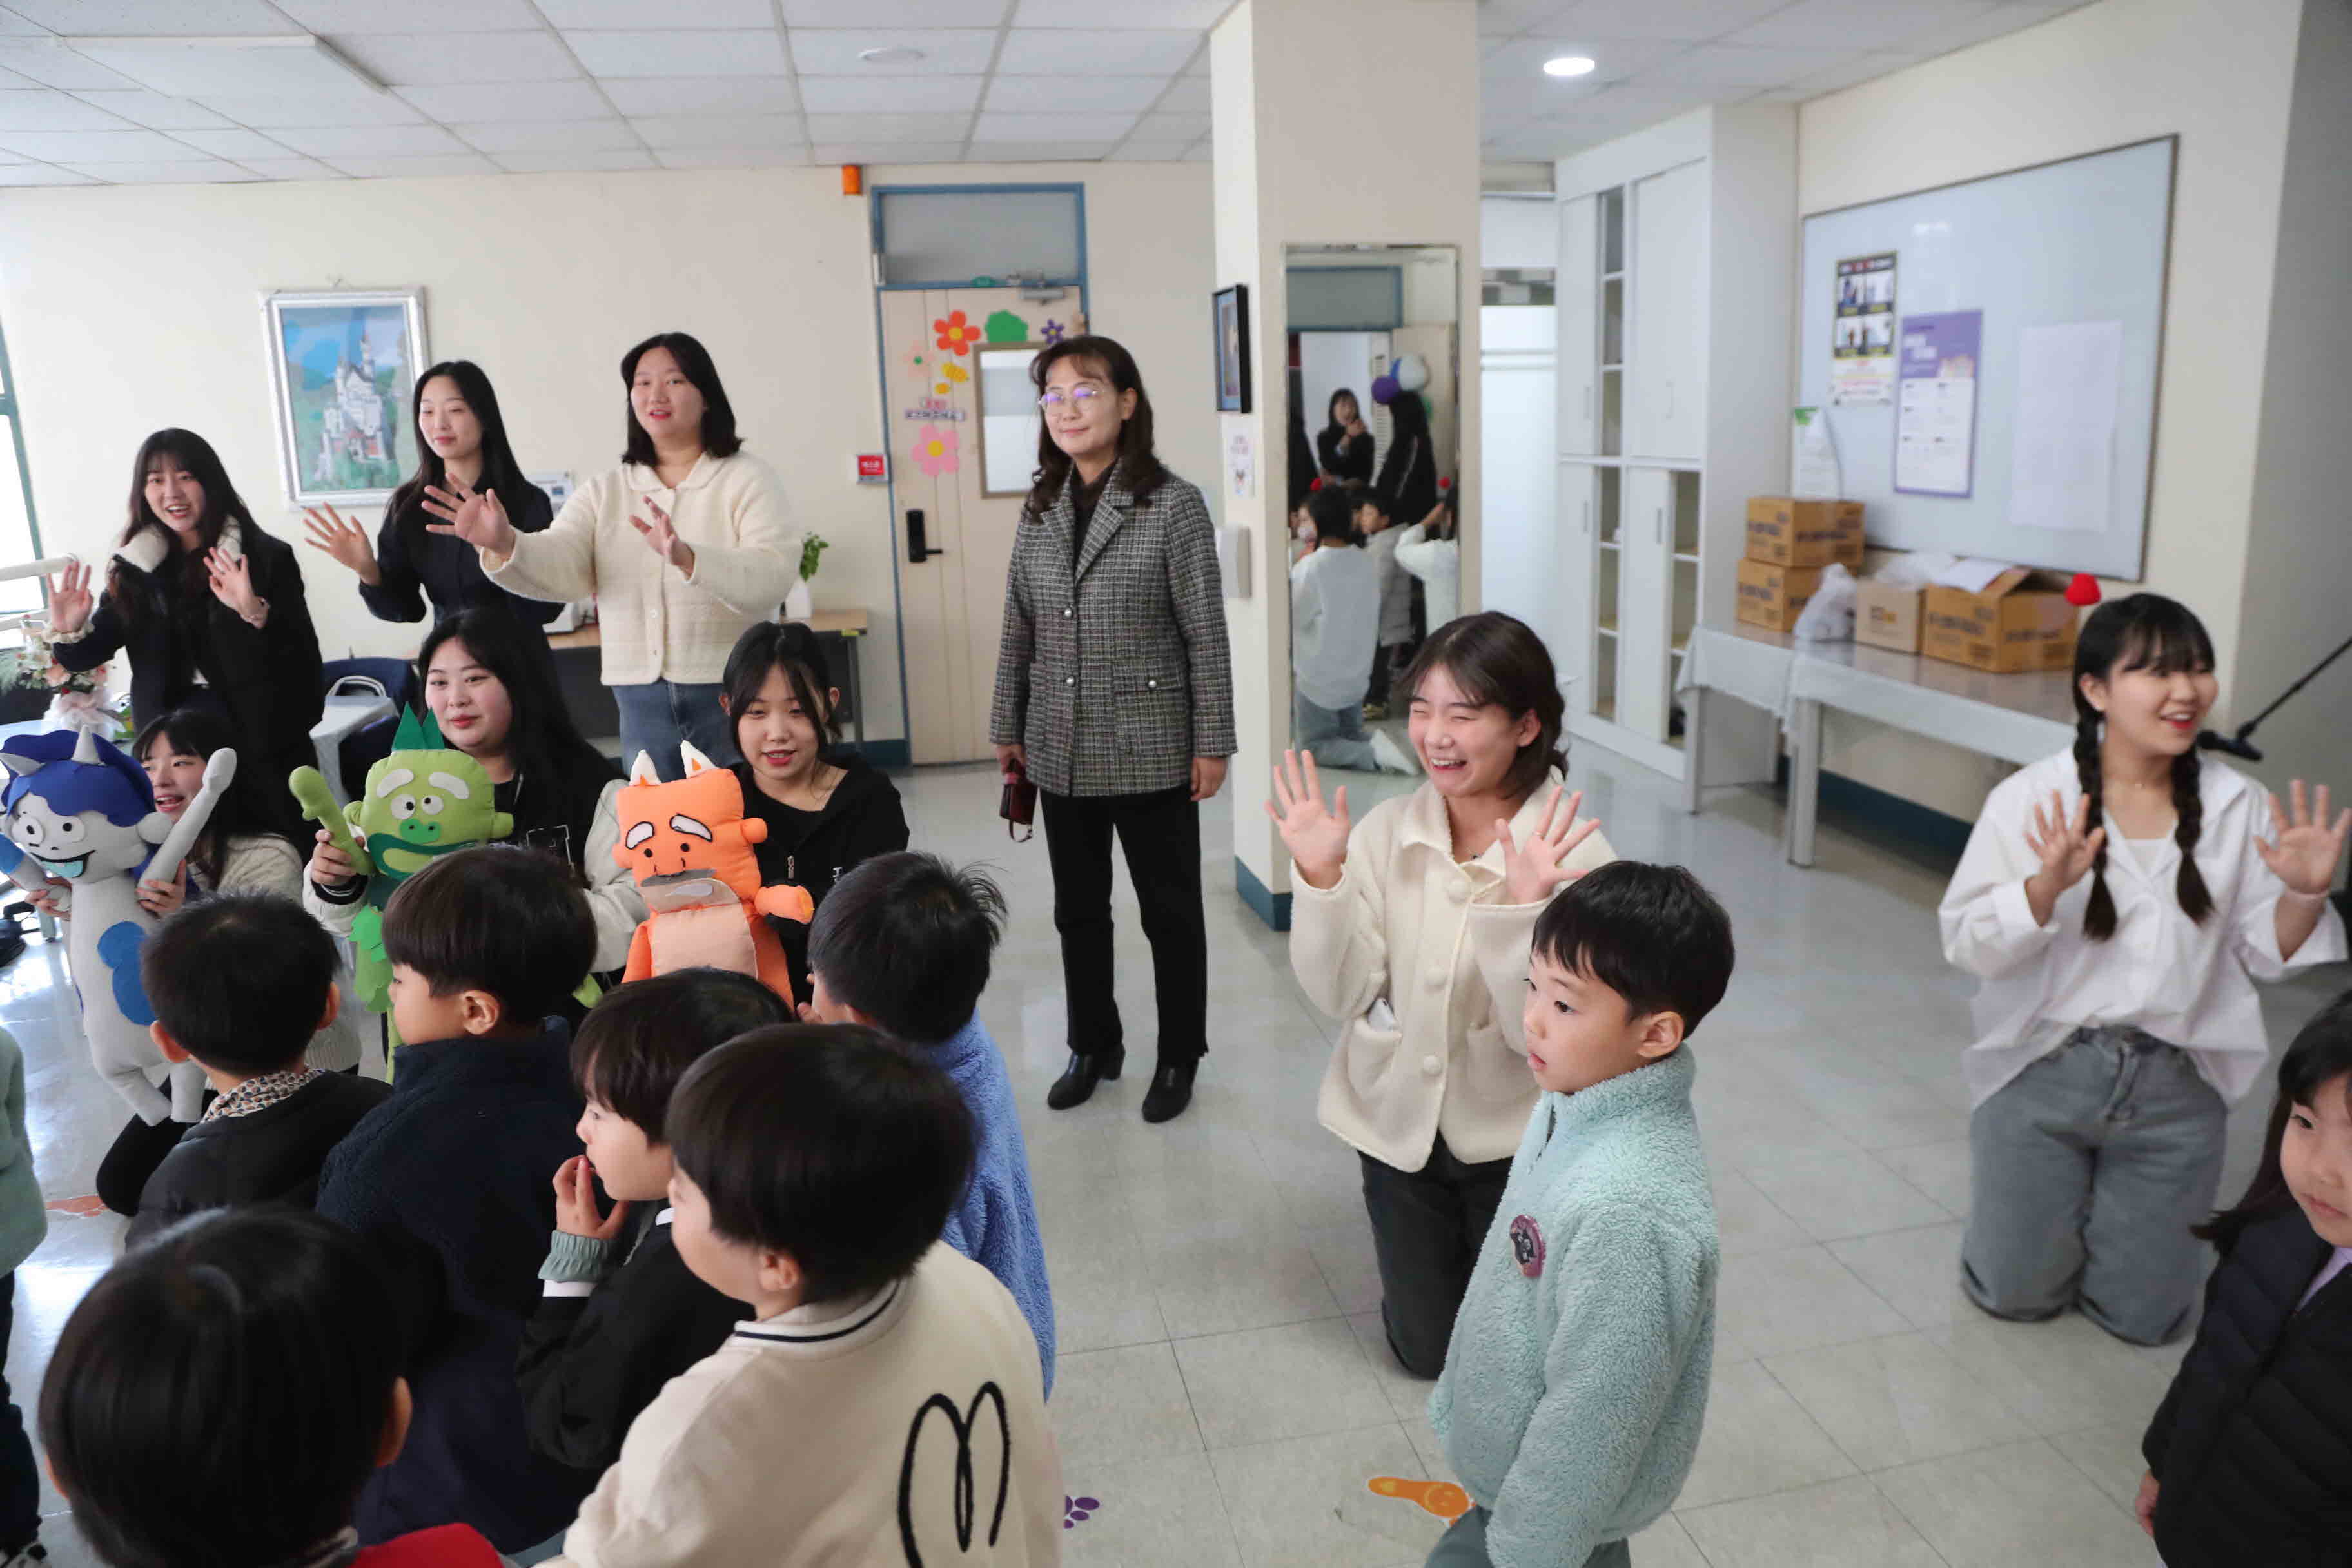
x,y
2063,451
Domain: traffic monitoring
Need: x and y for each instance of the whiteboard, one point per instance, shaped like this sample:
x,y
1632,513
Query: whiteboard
x,y
2082,240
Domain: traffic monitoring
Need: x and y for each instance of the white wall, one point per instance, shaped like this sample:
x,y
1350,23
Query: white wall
x,y
127,309
2221,76
1518,231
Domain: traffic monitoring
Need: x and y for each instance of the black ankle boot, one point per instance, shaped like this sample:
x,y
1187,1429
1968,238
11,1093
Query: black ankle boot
x,y
1077,1084
1171,1091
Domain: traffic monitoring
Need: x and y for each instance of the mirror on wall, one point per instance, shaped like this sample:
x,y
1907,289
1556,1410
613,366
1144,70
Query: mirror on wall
x,y
1371,334
1009,418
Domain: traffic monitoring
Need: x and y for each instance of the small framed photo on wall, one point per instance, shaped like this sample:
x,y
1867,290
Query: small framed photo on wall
x,y
1232,330
343,375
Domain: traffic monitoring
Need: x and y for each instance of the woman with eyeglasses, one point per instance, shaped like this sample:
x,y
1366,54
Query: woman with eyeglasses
x,y
1115,697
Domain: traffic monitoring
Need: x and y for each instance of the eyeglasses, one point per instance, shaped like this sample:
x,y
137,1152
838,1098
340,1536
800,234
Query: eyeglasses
x,y
1079,396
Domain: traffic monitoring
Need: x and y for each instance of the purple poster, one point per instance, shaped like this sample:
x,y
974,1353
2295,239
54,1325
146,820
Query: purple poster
x,y
1936,403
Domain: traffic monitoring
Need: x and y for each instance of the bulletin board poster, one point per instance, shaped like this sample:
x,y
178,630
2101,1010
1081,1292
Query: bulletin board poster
x,y
1862,333
1936,404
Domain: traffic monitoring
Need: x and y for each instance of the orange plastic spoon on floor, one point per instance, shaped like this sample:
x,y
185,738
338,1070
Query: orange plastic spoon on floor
x,y
1443,1499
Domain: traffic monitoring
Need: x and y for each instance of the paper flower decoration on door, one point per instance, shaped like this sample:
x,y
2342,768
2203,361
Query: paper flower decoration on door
x,y
1004,327
922,361
951,376
1053,331
956,333
935,450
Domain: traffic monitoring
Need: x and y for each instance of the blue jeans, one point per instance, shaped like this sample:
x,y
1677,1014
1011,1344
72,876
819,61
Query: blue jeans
x,y
1464,1545
658,715
1334,737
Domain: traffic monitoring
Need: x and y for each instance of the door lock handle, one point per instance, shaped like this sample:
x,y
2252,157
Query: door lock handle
x,y
918,549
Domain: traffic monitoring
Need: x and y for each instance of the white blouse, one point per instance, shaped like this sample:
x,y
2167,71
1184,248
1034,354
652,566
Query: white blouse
x,y
2188,984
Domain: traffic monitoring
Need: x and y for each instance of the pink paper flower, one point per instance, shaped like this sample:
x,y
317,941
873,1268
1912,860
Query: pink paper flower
x,y
935,449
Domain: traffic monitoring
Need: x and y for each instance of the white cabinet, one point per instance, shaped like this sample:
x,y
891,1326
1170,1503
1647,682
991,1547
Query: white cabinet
x,y
1521,551
1665,390
1573,627
1577,294
1644,610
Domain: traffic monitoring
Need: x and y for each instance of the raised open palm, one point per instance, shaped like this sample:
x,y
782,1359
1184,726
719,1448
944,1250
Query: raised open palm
x,y
2066,845
662,537
1534,870
478,517
2304,848
71,601
1315,833
341,538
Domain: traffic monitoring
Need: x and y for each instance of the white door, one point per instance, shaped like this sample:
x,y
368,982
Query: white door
x,y
1577,293
958,468
1643,601
1571,586
1666,380
1518,517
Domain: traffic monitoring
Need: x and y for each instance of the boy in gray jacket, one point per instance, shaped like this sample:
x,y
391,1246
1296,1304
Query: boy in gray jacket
x,y
1576,1380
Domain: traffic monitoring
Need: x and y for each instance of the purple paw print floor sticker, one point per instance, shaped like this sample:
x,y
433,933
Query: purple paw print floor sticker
x,y
1077,1509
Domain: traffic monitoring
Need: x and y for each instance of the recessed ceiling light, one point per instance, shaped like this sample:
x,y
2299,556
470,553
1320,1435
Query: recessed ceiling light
x,y
900,54
1568,65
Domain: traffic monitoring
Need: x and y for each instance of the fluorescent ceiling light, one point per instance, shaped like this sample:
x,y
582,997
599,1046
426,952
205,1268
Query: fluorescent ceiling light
x,y
1568,65
291,63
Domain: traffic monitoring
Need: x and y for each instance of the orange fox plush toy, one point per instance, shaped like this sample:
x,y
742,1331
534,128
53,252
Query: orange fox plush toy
x,y
689,847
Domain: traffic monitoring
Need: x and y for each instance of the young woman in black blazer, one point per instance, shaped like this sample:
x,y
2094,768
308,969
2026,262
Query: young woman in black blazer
x,y
463,435
209,608
1344,446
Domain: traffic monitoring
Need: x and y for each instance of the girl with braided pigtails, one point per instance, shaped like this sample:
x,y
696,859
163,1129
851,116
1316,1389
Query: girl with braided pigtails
x,y
2117,901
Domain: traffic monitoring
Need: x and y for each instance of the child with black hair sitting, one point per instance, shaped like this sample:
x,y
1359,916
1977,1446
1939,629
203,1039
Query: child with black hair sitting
x,y
447,1179
172,1450
622,1314
903,946
886,1403
1576,1379
241,983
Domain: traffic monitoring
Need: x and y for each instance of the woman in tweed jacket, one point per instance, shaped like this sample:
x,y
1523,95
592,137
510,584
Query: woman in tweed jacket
x,y
1114,693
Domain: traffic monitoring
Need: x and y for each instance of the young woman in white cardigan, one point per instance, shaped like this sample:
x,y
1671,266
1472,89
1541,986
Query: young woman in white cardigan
x,y
1413,927
685,544
2118,902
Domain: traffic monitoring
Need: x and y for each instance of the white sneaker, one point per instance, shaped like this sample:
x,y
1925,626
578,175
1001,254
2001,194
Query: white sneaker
x,y
1391,757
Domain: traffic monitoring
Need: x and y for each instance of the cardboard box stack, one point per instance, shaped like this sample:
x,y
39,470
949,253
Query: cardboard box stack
x,y
1886,615
2019,620
1788,543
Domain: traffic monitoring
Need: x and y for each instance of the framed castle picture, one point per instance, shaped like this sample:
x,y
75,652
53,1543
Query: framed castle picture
x,y
343,375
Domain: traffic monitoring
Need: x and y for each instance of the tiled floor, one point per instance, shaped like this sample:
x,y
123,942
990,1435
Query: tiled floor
x,y
1224,1391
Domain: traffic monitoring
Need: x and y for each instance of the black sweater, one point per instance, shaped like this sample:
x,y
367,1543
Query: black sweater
x,y
591,1363
861,819
2252,1447
270,1156
451,1182
1346,456
417,566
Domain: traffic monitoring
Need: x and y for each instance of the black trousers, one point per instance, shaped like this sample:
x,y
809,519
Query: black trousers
x,y
1160,834
1427,1227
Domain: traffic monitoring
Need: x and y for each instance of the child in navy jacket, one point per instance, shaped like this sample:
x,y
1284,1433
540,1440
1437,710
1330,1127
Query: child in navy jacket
x,y
903,946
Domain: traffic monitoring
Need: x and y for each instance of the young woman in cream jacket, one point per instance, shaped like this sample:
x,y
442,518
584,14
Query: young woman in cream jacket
x,y
1413,927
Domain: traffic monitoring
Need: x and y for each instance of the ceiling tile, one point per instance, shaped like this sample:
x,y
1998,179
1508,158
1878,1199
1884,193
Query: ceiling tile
x,y
476,102
53,66
887,153
367,168
1541,96
1071,94
1499,19
1151,152
1725,65
1613,59
337,143
423,61
1039,51
639,53
732,157
291,169
1104,127
895,13
1194,14
1862,67
1999,22
412,15
1683,19
891,94
46,108
1164,127
723,131
187,18
499,137
90,146
233,142
887,127
1855,24
668,13
12,24
1189,94
165,172
946,51
9,79
1035,152
584,161
40,175
703,95
155,110
359,108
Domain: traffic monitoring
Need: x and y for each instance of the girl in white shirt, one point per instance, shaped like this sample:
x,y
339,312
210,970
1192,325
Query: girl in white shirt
x,y
2118,903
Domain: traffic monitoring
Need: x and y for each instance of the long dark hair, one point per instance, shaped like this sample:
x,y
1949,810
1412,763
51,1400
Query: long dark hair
x,y
1139,466
2144,631
248,808
718,437
543,743
792,648
1498,658
222,503
1331,426
501,472
2321,1055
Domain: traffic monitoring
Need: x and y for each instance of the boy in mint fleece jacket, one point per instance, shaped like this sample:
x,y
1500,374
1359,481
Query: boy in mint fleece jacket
x,y
902,944
1576,1380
